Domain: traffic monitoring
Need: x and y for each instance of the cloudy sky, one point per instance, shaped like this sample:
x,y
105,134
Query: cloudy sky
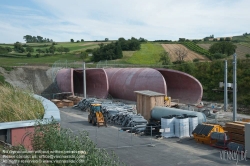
x,y
62,20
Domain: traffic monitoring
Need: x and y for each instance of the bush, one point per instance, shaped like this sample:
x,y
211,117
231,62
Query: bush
x,y
51,137
28,55
89,50
219,56
196,60
37,56
247,56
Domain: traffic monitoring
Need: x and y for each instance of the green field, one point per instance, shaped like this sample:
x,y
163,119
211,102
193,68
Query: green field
x,y
148,54
16,59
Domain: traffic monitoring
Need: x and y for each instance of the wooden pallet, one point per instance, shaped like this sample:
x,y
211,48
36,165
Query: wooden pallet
x,y
235,125
68,103
237,141
236,137
233,130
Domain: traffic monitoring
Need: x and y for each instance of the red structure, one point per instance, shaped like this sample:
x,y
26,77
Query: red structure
x,y
71,80
182,86
122,82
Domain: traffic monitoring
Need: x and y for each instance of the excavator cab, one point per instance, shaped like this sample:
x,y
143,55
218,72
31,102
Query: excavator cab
x,y
95,115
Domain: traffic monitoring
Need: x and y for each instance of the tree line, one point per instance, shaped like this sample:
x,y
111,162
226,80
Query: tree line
x,y
114,50
18,47
36,39
5,50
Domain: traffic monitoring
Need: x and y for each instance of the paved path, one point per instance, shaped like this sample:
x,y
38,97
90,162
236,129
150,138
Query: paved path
x,y
165,152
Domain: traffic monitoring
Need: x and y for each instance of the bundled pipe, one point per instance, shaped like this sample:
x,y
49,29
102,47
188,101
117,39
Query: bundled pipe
x,y
116,113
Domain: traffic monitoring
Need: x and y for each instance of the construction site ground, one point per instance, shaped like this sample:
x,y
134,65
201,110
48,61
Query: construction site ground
x,y
142,150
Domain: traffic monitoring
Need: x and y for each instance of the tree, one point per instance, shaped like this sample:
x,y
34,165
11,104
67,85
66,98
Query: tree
x,y
106,39
118,50
224,47
72,40
18,47
77,41
181,54
82,40
38,50
222,39
52,49
29,49
164,58
84,55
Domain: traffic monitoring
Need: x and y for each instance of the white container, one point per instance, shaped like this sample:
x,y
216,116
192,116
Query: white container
x,y
167,124
181,127
193,122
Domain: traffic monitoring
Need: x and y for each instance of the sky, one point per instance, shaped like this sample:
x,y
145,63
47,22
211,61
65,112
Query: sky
x,y
62,20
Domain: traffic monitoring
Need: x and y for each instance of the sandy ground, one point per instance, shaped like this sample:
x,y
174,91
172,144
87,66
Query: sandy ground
x,y
170,48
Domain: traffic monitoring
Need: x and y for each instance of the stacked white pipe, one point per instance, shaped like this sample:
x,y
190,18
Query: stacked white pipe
x,y
167,125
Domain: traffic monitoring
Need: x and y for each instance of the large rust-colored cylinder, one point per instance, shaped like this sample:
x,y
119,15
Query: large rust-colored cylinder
x,y
124,81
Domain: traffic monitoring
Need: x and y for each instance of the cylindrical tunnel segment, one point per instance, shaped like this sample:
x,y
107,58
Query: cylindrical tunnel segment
x,y
124,81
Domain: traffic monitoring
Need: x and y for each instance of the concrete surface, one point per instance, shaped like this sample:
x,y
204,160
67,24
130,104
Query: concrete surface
x,y
137,152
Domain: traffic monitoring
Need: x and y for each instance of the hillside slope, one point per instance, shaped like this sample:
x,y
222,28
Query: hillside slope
x,y
241,51
170,48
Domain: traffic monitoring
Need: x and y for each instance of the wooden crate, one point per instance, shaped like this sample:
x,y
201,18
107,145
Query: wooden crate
x,y
55,101
68,103
59,104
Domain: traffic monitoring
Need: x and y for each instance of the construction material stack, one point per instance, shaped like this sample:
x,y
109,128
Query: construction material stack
x,y
236,131
75,99
58,103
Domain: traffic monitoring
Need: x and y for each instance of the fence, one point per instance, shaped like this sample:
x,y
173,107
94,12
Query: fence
x,y
110,63
113,137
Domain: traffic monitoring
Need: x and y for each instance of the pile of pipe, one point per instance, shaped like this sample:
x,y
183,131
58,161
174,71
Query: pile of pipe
x,y
117,113
84,104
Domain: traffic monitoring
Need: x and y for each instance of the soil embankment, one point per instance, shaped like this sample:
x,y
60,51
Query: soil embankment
x,y
36,79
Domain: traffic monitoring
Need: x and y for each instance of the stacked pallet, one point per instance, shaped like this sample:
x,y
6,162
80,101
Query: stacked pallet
x,y
236,131
68,103
75,99
58,103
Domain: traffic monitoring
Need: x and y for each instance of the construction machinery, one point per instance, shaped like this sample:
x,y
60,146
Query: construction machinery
x,y
95,115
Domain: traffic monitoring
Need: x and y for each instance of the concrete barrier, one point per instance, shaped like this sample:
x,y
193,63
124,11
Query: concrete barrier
x,y
18,132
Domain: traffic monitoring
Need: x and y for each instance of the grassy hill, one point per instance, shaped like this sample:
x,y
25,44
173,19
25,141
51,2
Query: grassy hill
x,y
15,59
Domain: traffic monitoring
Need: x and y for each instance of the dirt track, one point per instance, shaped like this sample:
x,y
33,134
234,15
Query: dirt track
x,y
170,48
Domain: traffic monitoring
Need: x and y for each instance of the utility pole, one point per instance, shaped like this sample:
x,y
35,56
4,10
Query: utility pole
x,y
225,87
84,80
235,87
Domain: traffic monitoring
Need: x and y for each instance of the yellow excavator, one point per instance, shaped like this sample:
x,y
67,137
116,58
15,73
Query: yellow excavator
x,y
95,115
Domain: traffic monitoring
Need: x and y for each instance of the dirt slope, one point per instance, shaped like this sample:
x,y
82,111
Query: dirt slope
x,y
170,48
37,79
